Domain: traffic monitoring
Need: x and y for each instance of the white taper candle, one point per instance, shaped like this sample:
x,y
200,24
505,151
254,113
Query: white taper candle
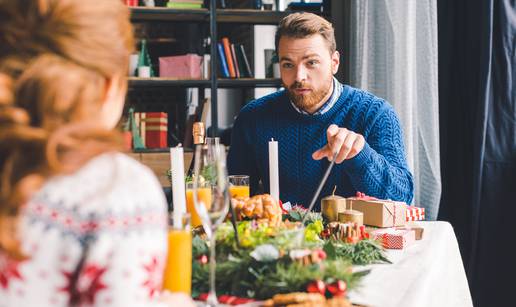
x,y
178,180
273,169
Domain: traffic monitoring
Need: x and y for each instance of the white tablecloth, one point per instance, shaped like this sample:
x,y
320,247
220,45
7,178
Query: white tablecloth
x,y
428,273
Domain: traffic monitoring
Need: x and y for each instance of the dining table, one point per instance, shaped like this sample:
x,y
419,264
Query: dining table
x,y
429,272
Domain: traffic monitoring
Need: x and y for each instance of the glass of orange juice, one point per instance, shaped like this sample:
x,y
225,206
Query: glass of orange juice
x,y
203,194
239,185
178,269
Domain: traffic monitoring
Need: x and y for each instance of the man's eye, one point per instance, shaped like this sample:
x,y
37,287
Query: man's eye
x,y
312,63
287,65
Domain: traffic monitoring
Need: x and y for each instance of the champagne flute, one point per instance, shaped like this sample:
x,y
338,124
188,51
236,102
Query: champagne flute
x,y
210,166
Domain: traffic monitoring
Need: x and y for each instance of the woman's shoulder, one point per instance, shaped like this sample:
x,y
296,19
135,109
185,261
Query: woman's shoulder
x,y
108,180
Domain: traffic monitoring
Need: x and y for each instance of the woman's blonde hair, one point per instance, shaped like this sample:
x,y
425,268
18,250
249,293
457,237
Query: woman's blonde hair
x,y
56,59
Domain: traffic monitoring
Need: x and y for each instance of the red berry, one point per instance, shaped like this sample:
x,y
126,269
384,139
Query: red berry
x,y
325,233
322,254
337,288
203,259
317,286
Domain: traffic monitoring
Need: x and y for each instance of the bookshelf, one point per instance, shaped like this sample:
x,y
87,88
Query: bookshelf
x,y
245,16
163,18
162,27
221,82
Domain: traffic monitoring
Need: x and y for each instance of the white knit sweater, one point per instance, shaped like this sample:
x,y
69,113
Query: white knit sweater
x,y
94,238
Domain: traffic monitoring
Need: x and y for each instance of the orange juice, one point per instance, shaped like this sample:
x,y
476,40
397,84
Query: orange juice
x,y
204,195
239,191
178,269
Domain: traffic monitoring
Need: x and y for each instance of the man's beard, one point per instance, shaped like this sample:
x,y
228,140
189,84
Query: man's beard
x,y
306,102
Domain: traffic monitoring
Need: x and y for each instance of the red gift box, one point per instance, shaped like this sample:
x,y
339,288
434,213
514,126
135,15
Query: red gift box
x,y
415,214
156,127
395,238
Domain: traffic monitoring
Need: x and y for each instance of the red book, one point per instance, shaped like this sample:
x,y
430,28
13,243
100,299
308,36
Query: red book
x,y
156,126
229,58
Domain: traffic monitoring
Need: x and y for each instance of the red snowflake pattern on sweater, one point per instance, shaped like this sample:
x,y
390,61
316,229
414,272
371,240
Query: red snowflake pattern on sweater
x,y
154,271
92,248
84,288
8,270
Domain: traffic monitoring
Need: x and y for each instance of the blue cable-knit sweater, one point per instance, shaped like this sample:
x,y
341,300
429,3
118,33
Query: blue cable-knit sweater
x,y
379,170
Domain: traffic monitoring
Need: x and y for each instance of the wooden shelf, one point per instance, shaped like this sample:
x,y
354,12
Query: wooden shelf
x,y
166,14
250,16
246,16
221,83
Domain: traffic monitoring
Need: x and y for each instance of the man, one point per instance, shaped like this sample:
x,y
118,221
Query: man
x,y
316,117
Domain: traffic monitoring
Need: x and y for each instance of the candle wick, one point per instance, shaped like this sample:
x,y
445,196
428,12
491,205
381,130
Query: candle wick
x,y
272,139
334,188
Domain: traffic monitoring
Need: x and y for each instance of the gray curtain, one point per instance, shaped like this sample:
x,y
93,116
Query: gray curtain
x,y
393,54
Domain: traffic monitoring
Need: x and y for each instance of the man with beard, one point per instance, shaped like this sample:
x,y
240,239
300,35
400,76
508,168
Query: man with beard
x,y
316,117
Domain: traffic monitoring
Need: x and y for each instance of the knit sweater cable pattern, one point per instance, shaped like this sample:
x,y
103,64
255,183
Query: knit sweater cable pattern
x,y
379,170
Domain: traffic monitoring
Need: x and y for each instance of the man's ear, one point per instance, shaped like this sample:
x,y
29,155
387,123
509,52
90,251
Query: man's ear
x,y
335,61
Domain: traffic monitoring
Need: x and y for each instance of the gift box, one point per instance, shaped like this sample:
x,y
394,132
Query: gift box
x,y
418,230
380,213
415,213
156,126
186,66
394,238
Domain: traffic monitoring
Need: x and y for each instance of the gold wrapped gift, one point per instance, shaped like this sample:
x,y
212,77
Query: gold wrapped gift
x,y
332,205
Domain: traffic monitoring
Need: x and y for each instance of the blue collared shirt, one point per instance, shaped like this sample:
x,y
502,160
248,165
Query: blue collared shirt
x,y
337,90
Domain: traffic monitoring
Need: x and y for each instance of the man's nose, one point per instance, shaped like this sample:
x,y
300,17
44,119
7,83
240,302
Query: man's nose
x,y
300,73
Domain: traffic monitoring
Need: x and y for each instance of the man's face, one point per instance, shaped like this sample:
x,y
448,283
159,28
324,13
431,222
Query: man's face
x,y
307,67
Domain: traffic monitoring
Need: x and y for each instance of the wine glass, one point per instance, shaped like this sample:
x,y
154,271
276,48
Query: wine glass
x,y
210,166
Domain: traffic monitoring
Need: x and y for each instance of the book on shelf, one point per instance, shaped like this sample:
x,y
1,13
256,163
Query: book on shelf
x,y
244,62
234,62
237,64
185,4
223,63
229,60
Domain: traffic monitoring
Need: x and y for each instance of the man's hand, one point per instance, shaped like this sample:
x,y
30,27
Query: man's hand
x,y
347,143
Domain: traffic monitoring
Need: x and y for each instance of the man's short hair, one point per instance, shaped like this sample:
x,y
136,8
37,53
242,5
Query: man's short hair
x,y
302,25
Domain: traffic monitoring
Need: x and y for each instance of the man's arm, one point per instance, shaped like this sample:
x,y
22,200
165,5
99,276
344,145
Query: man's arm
x,y
375,166
380,168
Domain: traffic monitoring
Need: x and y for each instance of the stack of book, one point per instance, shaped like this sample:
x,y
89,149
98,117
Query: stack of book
x,y
233,61
185,4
